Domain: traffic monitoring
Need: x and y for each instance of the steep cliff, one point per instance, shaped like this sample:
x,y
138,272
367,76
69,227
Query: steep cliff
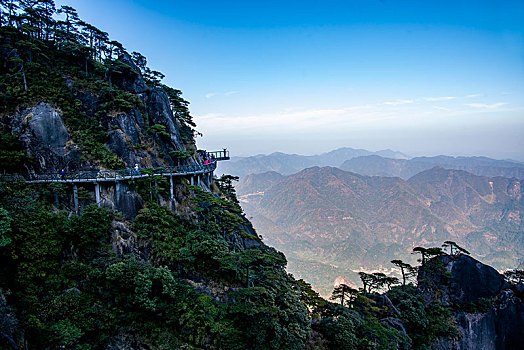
x,y
72,121
489,312
145,262
56,142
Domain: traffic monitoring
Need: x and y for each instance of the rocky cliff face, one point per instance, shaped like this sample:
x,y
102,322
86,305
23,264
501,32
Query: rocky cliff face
x,y
46,135
471,281
489,311
499,328
120,114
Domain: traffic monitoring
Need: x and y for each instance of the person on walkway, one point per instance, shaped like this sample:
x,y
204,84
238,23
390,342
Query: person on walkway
x,y
62,173
137,171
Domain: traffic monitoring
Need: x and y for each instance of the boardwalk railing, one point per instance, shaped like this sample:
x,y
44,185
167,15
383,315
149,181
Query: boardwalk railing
x,y
113,175
220,155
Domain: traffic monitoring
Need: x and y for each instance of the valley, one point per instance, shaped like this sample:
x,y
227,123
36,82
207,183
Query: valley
x,y
330,222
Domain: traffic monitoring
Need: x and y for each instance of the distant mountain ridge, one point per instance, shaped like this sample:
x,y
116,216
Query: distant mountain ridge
x,y
329,221
375,165
287,164
364,162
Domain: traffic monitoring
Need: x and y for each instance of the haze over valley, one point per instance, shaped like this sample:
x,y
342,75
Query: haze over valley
x,y
333,222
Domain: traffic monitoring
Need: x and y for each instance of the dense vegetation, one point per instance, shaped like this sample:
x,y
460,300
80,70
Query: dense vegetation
x,y
58,60
195,277
199,285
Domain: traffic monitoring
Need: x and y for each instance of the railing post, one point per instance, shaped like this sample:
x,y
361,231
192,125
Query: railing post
x,y
171,187
117,192
75,197
97,193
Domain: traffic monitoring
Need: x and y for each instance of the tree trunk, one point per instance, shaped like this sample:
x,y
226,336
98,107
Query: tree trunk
x,y
23,76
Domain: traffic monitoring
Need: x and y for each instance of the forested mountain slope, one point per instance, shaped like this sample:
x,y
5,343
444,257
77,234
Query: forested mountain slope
x,y
144,268
333,221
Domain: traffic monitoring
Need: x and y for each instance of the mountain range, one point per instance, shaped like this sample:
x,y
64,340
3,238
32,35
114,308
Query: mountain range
x,y
330,222
287,164
361,161
405,168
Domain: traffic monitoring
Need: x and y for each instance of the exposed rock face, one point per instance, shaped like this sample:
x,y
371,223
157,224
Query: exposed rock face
x,y
125,132
498,328
45,137
124,242
472,280
509,320
247,227
127,129
121,198
128,132
478,332
159,110
130,79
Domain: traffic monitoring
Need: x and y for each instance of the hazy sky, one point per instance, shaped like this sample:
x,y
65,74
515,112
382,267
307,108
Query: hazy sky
x,y
422,77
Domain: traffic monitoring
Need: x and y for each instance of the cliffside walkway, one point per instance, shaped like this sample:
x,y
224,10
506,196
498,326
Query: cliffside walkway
x,y
195,171
122,175
114,175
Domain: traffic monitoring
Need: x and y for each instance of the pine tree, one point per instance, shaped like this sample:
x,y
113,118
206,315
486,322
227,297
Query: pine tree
x,y
344,293
454,246
405,269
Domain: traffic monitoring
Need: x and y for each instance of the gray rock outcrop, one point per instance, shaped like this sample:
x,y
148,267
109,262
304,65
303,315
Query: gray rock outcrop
x,y
45,138
53,144
130,78
489,311
472,280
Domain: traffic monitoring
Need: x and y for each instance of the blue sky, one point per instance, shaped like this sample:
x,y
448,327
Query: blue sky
x,y
422,77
